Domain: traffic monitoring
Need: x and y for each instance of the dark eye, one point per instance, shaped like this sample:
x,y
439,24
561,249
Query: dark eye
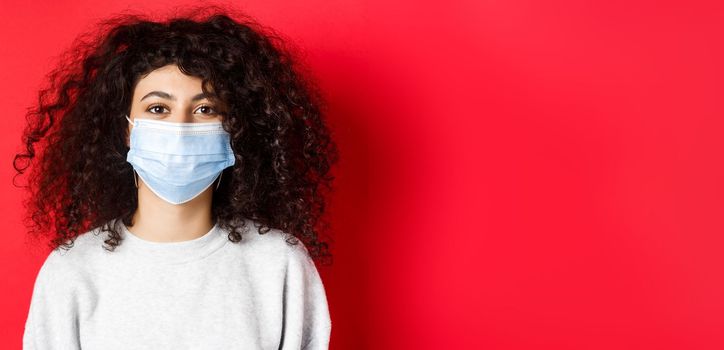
x,y
209,109
156,107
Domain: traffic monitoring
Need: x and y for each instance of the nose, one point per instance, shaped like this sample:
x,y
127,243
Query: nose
x,y
181,115
179,112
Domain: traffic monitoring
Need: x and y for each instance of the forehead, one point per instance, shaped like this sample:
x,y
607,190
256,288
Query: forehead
x,y
168,79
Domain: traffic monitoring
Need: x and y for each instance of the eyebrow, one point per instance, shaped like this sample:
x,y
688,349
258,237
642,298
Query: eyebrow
x,y
168,96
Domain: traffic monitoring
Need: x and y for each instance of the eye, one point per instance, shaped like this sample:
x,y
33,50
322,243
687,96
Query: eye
x,y
162,107
207,108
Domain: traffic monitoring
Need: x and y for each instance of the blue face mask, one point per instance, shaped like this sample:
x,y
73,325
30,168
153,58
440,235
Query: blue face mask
x,y
178,161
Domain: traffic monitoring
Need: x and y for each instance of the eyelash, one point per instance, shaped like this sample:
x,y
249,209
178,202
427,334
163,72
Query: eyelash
x,y
166,107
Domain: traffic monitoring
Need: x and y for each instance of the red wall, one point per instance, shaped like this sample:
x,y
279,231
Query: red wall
x,y
514,174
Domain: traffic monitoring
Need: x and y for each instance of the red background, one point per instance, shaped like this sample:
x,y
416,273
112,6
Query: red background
x,y
514,174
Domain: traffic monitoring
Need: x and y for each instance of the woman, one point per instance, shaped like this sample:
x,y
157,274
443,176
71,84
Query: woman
x,y
181,178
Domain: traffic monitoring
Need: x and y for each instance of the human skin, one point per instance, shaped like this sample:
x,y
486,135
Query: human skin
x,y
155,219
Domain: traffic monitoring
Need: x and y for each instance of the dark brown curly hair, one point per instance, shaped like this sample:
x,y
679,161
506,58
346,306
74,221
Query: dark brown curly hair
x,y
75,136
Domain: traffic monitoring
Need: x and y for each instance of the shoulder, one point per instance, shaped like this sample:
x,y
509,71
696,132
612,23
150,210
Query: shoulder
x,y
69,263
84,247
272,243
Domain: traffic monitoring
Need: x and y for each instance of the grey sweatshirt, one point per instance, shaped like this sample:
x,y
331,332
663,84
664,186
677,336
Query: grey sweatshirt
x,y
205,293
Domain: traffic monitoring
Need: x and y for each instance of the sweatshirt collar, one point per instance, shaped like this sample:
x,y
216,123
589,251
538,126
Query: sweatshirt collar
x,y
173,252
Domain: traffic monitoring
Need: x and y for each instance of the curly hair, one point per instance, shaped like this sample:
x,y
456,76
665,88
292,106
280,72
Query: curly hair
x,y
284,150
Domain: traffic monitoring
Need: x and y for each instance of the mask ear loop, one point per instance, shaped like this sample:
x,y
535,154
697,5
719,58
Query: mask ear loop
x,y
135,176
219,182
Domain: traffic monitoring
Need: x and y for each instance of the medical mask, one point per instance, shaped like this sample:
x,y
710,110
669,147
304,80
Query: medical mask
x,y
178,161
